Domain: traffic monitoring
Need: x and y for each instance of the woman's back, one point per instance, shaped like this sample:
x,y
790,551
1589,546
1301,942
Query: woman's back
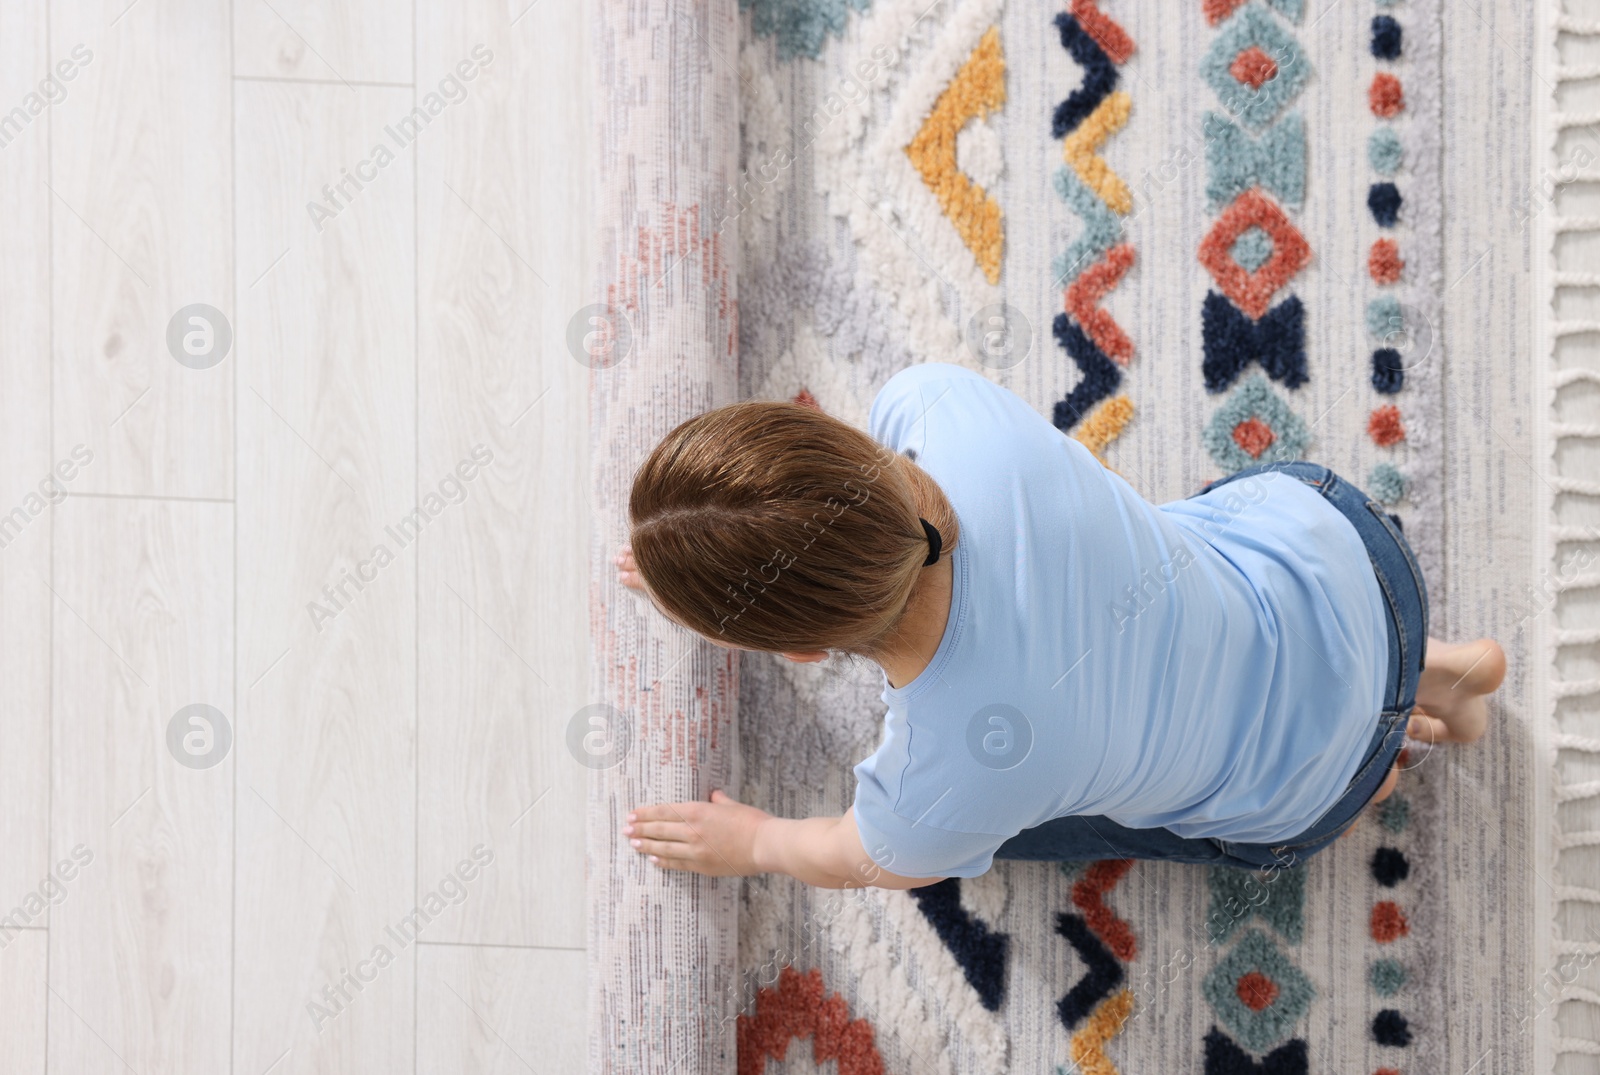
x,y
1213,666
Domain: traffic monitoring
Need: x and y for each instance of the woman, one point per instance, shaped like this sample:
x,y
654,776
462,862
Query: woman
x,y
1070,671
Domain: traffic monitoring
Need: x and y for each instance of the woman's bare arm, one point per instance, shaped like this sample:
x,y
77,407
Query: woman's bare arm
x,y
826,852
725,838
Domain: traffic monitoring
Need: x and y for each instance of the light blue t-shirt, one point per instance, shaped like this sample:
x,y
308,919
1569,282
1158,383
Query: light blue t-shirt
x,y
1214,666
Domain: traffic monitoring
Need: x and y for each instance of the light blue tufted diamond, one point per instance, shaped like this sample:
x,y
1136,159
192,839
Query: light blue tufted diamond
x,y
1254,398
1385,318
1252,25
1258,1030
1384,151
1386,484
1252,248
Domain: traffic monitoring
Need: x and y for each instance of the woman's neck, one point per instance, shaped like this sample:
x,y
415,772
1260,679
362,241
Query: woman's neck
x,y
911,648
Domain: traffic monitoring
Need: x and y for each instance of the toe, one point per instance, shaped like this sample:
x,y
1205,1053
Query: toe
x,y
1491,670
1427,729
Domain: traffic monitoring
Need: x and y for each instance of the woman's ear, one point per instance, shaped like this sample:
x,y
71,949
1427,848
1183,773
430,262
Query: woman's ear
x,y
807,657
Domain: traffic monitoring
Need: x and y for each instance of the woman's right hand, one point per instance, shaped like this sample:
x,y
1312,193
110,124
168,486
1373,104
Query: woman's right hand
x,y
627,570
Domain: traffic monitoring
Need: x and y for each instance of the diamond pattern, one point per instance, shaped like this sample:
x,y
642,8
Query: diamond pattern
x,y
1259,1029
1251,28
1252,291
1254,399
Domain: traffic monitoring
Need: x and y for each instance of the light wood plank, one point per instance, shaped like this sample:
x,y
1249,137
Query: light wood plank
x,y
326,466
345,43
26,461
23,998
503,591
140,942
500,1011
141,229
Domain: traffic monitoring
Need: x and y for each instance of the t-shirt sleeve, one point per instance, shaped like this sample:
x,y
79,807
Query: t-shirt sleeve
x,y
896,416
912,848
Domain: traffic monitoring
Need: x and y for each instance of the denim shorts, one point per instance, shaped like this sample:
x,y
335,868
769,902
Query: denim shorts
x,y
1406,596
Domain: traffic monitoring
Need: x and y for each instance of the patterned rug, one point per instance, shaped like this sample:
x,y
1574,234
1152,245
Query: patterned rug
x,y
1194,234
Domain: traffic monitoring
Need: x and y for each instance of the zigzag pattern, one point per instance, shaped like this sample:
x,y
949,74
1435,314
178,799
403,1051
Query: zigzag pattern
x,y
1104,425
1081,149
1088,895
1100,227
1089,1044
1102,973
1111,38
1095,1008
1099,76
1083,297
1100,375
1095,263
978,88
800,1008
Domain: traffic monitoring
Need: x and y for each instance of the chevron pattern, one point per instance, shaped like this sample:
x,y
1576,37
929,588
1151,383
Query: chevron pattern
x,y
980,951
1083,297
1081,149
1096,1007
1099,74
1101,976
1089,1044
1095,262
978,87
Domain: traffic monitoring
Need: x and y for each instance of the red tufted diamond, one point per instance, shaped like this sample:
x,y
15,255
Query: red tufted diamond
x,y
1253,67
1257,990
1385,427
1254,436
1388,922
1252,291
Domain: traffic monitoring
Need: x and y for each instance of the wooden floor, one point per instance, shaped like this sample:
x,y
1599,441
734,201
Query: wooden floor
x,y
289,432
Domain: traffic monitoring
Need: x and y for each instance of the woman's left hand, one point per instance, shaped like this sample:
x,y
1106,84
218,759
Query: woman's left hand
x,y
628,570
716,838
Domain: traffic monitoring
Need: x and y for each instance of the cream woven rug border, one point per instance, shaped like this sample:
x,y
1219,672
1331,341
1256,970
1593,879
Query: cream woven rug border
x,y
1559,953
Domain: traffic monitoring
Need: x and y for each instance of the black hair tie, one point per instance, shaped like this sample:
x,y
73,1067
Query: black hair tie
x,y
935,542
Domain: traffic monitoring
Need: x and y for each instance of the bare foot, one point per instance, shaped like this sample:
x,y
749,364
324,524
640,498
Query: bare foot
x,y
1451,706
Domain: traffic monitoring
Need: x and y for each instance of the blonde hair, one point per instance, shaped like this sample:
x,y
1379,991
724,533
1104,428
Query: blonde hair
x,y
775,527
